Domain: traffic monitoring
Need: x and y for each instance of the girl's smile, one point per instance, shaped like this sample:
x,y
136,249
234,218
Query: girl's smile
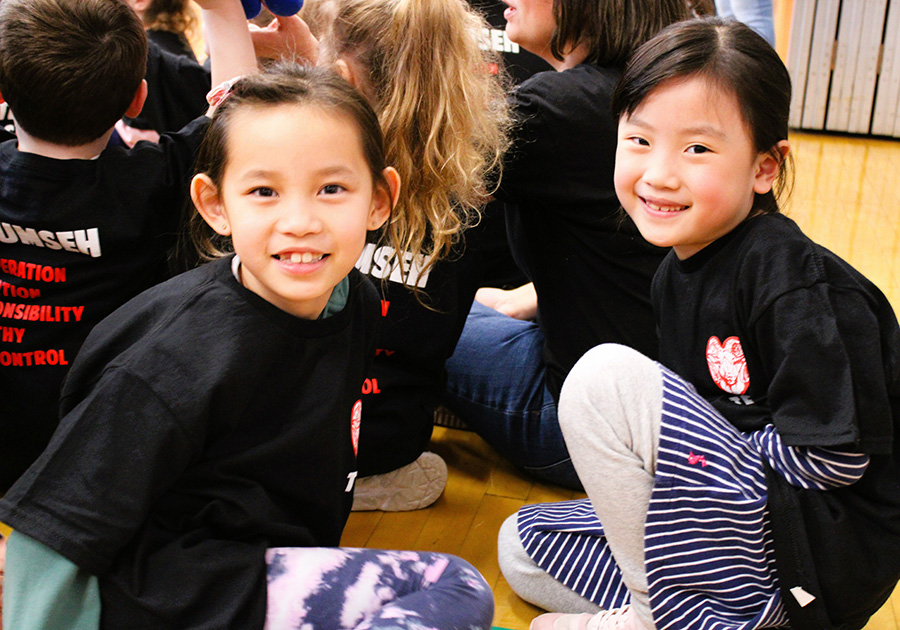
x,y
687,171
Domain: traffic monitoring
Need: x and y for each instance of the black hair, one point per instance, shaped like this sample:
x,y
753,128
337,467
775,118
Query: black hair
x,y
732,57
612,29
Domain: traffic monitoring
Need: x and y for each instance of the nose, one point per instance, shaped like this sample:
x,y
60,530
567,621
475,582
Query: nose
x,y
660,171
298,218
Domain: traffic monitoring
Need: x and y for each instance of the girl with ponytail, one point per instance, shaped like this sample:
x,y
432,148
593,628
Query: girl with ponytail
x,y
441,101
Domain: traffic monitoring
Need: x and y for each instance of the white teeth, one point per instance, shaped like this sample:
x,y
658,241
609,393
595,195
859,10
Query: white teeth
x,y
305,257
653,206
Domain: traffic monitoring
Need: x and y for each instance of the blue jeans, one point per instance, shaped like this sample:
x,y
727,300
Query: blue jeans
x,y
757,14
495,383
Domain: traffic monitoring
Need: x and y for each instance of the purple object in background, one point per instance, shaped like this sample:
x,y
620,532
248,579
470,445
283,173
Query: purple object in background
x,y
278,7
283,7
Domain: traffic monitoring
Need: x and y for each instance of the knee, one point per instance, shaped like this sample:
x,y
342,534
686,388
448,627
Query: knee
x,y
605,380
602,370
470,586
607,358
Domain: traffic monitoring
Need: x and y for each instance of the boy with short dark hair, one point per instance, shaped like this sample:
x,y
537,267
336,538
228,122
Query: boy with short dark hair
x,y
82,228
68,70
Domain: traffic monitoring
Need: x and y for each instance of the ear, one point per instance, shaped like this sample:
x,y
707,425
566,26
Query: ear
x,y
768,167
209,204
137,103
384,199
140,6
343,68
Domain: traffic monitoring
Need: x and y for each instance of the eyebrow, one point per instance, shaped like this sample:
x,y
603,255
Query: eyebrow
x,y
328,171
338,169
699,130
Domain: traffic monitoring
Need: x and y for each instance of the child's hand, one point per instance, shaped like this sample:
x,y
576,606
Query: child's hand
x,y
285,37
518,303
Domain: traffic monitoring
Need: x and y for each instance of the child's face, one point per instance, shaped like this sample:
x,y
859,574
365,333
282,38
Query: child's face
x,y
297,198
686,166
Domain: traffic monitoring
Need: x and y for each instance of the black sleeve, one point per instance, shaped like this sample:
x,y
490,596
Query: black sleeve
x,y
112,456
177,88
821,348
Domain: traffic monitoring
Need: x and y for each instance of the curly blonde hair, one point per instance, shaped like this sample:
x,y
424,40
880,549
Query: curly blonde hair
x,y
440,96
176,16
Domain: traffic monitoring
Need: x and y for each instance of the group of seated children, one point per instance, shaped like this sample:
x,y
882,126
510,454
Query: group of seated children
x,y
198,382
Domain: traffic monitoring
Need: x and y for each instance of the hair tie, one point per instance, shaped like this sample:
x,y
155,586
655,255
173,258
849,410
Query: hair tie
x,y
218,94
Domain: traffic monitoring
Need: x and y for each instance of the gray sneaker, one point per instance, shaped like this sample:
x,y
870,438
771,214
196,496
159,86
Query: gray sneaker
x,y
412,487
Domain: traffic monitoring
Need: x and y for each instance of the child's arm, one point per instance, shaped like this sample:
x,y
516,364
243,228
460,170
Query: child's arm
x,y
230,48
45,590
810,467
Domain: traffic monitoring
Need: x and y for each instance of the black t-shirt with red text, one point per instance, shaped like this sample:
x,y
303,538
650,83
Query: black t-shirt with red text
x,y
78,238
417,335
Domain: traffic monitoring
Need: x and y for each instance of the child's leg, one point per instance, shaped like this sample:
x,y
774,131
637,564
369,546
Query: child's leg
x,y
610,410
669,479
495,383
531,582
367,589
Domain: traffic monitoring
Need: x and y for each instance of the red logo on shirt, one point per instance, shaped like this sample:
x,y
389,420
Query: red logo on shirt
x,y
727,364
355,421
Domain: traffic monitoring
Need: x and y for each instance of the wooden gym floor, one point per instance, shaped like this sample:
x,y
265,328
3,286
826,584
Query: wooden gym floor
x,y
846,197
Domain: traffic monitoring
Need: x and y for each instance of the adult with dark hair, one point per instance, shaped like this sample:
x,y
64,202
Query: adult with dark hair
x,y
590,269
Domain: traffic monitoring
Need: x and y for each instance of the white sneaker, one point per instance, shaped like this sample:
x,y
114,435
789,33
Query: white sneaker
x,y
412,487
617,619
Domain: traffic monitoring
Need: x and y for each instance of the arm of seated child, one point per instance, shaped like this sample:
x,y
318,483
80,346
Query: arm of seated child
x,y
810,467
228,38
43,589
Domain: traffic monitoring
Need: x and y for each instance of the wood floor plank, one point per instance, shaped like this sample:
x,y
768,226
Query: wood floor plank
x,y
480,545
359,528
398,530
510,611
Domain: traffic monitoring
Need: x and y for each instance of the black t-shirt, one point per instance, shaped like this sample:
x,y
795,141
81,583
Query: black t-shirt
x,y
79,239
590,267
202,425
774,329
418,333
176,91
175,43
